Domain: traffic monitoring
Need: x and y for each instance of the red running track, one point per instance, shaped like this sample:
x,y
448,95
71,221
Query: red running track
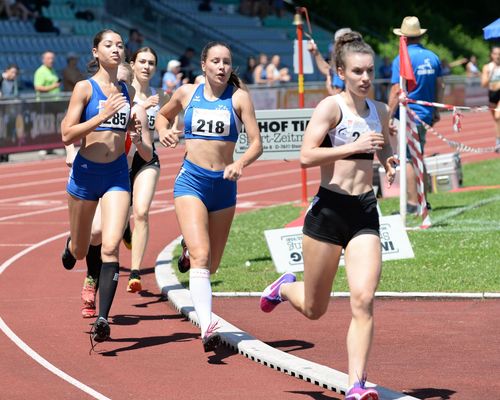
x,y
155,352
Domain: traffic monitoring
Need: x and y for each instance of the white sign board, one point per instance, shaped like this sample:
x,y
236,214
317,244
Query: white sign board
x,y
282,132
307,61
285,244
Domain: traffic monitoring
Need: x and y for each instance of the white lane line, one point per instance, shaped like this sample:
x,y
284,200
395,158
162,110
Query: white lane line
x,y
33,183
27,349
29,214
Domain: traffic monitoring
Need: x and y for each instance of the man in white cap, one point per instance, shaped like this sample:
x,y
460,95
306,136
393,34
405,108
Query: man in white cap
x,y
429,87
172,79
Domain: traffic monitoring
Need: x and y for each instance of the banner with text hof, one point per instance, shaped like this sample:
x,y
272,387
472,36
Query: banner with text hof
x,y
282,132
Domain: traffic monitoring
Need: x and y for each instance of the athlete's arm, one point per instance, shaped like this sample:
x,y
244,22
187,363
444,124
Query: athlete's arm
x,y
139,132
71,128
485,76
245,109
165,118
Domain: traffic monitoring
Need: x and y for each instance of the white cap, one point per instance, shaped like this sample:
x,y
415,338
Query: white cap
x,y
173,64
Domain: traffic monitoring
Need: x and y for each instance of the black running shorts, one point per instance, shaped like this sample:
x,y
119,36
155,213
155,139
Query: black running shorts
x,y
337,218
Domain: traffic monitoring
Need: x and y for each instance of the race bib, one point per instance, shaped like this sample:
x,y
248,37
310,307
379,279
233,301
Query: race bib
x,y
210,122
117,121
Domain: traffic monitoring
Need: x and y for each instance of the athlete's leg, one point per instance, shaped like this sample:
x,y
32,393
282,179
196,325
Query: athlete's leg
x,y
81,213
144,189
363,267
192,216
219,225
312,296
114,208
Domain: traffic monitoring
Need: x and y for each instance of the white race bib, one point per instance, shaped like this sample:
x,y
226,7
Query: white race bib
x,y
212,123
117,121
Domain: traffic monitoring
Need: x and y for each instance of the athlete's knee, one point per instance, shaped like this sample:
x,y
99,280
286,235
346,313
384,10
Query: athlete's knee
x,y
362,304
315,311
109,250
141,215
199,257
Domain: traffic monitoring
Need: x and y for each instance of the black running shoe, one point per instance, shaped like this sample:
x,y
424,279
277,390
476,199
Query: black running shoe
x,y
127,237
67,258
183,262
100,330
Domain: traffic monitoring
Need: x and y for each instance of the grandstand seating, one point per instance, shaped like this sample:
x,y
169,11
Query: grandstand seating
x,y
21,44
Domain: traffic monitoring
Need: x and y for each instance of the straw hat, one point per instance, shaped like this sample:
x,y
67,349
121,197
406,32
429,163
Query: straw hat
x,y
410,27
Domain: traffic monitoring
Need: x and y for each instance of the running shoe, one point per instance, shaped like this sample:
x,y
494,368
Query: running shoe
x,y
211,339
134,282
271,295
100,330
359,392
68,260
88,297
183,262
127,237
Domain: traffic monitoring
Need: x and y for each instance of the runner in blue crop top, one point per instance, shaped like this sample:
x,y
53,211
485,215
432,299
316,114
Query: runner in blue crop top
x,y
205,188
100,170
211,120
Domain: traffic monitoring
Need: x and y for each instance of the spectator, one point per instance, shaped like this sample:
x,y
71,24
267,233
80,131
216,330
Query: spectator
x,y
8,81
46,81
134,43
384,72
274,73
15,10
471,68
172,79
333,83
279,8
490,78
429,87
187,67
260,73
445,67
248,74
71,74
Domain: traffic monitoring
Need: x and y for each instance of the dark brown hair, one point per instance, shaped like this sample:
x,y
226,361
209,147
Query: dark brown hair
x,y
233,78
144,50
93,65
350,42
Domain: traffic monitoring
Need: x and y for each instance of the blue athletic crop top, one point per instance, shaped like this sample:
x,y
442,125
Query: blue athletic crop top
x,y
211,120
117,122
351,127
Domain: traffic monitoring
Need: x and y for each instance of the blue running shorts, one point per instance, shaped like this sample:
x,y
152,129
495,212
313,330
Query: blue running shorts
x,y
89,180
209,186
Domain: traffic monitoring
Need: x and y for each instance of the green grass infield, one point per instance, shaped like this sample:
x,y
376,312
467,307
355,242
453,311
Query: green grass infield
x,y
459,253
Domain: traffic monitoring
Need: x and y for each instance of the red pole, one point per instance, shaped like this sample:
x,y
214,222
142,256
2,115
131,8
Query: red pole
x,y
298,22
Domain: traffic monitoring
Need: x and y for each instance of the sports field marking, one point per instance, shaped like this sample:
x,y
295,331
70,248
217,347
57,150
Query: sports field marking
x,y
29,214
33,183
250,347
27,349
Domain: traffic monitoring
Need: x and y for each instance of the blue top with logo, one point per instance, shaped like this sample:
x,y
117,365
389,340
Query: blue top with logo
x,y
211,120
427,68
119,121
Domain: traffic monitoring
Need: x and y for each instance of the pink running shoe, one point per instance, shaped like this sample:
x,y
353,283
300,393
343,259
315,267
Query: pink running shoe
x,y
359,392
271,295
211,339
88,297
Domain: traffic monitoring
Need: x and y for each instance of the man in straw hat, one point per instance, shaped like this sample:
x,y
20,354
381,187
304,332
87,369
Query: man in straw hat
x,y
429,87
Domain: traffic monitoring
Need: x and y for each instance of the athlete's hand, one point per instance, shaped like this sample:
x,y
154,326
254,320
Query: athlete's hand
x,y
169,137
135,129
152,101
233,171
390,169
111,106
369,142
393,127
